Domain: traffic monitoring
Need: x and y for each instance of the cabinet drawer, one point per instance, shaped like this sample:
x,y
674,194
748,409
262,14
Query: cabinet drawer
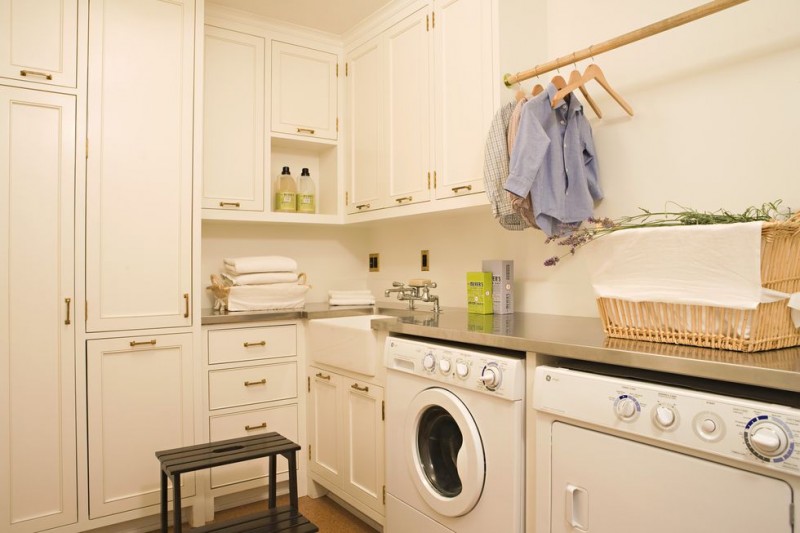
x,y
252,384
282,419
247,344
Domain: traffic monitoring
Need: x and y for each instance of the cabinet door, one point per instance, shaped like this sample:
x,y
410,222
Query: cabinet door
x,y
233,121
366,109
139,166
304,96
323,432
39,41
464,93
139,401
37,335
409,118
363,441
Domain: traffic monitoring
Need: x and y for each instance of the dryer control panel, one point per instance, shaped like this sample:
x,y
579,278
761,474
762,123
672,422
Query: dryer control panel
x,y
497,375
743,430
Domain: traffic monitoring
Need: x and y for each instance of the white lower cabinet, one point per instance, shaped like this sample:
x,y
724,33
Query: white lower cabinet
x,y
346,438
140,400
252,389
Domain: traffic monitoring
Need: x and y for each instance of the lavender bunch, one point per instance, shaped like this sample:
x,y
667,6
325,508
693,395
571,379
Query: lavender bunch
x,y
574,237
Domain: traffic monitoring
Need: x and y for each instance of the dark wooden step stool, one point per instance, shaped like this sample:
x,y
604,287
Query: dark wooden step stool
x,y
190,458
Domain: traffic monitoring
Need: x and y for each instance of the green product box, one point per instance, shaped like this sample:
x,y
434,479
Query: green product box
x,y
479,293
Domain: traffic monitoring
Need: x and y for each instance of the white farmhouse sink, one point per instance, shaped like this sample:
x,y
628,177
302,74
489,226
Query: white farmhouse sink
x,y
346,342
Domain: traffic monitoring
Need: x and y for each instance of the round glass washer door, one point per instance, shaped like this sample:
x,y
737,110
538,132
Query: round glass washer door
x,y
444,452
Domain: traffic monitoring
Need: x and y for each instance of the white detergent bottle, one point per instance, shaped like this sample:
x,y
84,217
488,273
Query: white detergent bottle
x,y
306,193
286,195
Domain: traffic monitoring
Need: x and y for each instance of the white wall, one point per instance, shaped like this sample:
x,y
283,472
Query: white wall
x,y
716,125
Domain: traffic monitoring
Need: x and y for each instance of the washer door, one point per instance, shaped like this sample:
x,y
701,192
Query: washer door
x,y
444,452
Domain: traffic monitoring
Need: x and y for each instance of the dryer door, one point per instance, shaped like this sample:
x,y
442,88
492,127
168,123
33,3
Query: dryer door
x,y
444,452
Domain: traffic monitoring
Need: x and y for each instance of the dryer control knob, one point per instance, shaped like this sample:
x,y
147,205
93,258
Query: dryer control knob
x,y
444,366
708,426
462,370
665,416
769,439
626,408
491,376
429,362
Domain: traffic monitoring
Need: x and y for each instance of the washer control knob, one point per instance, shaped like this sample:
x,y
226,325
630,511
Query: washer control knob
x,y
444,366
429,362
665,416
769,439
708,426
462,370
491,376
626,408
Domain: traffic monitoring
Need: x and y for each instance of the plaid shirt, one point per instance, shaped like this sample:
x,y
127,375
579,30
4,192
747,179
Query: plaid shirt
x,y
495,170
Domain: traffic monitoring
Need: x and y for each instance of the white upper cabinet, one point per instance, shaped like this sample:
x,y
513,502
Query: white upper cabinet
x,y
38,485
39,41
465,78
365,124
233,113
409,124
139,164
304,95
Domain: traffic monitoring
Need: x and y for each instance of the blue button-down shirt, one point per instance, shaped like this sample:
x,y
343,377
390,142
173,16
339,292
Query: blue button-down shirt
x,y
554,160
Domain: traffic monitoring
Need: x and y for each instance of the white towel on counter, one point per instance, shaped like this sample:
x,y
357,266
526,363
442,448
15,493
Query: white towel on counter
x,y
267,297
265,263
261,278
716,265
351,297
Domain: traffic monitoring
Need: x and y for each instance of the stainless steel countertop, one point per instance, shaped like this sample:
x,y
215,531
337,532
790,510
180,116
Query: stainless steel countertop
x,y
562,336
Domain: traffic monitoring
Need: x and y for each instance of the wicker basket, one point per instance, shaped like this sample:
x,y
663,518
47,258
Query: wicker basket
x,y
767,327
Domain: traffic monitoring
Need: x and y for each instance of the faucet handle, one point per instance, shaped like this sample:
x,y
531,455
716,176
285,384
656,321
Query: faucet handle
x,y
396,284
421,282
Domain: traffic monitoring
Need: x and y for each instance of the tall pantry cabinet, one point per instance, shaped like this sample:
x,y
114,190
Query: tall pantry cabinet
x,y
139,220
96,257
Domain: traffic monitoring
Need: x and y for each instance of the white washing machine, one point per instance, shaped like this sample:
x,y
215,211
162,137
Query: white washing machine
x,y
624,455
455,439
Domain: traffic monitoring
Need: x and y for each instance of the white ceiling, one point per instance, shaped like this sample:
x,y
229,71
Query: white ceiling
x,y
334,16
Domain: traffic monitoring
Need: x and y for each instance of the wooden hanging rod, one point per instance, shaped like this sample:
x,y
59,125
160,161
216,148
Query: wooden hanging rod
x,y
627,38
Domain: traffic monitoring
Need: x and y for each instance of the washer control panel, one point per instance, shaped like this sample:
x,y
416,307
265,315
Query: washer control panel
x,y
494,374
744,430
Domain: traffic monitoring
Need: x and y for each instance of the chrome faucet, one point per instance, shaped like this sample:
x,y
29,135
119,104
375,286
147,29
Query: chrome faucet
x,y
417,289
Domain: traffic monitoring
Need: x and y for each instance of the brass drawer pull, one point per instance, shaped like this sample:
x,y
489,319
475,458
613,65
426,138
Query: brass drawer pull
x,y
143,343
262,425
362,206
249,344
403,199
251,383
231,204
467,187
67,321
305,130
327,377
186,310
359,389
44,75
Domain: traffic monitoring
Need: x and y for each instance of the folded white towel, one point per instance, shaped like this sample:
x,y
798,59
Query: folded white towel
x,y
267,297
717,265
265,263
352,301
261,278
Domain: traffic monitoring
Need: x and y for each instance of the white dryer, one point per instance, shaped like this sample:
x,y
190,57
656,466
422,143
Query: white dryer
x,y
454,439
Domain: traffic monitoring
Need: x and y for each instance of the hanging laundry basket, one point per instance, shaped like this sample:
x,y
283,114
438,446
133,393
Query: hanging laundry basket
x,y
769,326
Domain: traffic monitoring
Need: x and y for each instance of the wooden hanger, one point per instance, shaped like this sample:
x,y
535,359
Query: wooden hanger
x,y
537,89
596,73
575,77
559,81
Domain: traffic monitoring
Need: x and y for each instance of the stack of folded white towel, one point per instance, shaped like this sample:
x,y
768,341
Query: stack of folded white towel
x,y
352,297
264,283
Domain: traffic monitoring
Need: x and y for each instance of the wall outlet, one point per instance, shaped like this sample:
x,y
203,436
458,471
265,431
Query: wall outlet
x,y
425,260
373,263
